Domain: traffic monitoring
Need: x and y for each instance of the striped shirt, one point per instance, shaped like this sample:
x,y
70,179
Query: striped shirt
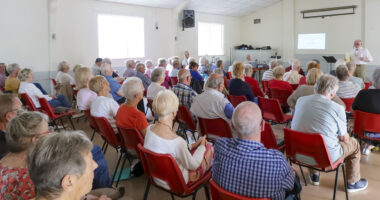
x,y
247,168
268,75
347,89
185,94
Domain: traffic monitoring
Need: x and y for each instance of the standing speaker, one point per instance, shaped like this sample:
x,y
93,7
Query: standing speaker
x,y
188,19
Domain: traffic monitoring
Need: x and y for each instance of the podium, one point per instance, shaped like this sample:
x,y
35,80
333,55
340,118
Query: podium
x,y
330,60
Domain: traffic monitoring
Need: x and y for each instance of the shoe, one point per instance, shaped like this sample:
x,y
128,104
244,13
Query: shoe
x,y
366,151
314,179
358,186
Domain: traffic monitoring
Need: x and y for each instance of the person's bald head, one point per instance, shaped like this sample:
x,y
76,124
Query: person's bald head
x,y
184,76
247,120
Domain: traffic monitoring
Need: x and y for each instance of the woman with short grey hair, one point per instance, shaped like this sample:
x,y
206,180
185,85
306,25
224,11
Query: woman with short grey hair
x,y
61,166
12,83
205,67
158,78
22,133
63,77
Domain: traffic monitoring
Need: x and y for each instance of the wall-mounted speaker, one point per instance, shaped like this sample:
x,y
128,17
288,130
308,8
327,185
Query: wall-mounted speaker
x,y
188,20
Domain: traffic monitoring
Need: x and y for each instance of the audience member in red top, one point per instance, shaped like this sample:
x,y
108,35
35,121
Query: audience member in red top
x,y
128,115
310,65
248,71
277,82
23,132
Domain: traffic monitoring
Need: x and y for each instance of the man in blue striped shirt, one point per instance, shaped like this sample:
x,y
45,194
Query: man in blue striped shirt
x,y
244,166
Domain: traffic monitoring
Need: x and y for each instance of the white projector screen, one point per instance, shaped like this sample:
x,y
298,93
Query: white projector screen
x,y
312,41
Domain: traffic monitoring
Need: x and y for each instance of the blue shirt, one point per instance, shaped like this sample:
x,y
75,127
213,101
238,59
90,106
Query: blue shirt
x,y
238,87
146,81
115,87
247,168
196,75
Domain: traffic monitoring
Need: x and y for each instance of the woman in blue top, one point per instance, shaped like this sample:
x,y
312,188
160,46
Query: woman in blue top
x,y
237,86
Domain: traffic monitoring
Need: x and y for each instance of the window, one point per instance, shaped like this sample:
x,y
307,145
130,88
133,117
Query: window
x,y
312,41
210,39
120,36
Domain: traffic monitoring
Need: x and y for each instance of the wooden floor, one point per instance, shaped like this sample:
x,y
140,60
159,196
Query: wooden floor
x,y
370,169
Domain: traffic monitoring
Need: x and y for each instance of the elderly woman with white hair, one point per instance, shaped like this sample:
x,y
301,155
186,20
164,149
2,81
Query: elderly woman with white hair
x,y
149,68
205,67
26,86
130,71
12,83
293,76
128,116
162,62
140,71
113,84
160,138
63,77
85,96
158,77
248,71
368,101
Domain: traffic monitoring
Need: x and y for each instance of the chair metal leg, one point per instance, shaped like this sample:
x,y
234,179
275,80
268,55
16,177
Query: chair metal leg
x,y
121,170
117,166
93,135
172,196
195,194
63,125
303,175
345,180
105,148
71,122
147,190
336,182
207,192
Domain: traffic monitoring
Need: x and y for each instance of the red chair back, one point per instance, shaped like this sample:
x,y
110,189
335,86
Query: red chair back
x,y
107,131
268,139
184,117
164,167
229,75
173,80
28,102
348,102
236,100
218,193
294,86
218,127
46,108
91,120
54,82
366,122
130,137
265,86
307,148
367,85
281,95
271,109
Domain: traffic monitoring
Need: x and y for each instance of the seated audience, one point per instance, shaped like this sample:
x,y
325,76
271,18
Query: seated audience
x,y
237,86
163,63
158,77
277,82
63,77
149,68
3,76
318,114
85,96
338,63
194,71
130,71
220,65
185,61
140,71
310,65
61,166
96,68
128,116
301,72
212,104
76,67
160,138
251,81
26,86
368,101
183,90
12,83
293,76
103,106
10,105
268,75
176,68
225,80
23,132
113,84
304,90
204,68
346,89
351,66
263,172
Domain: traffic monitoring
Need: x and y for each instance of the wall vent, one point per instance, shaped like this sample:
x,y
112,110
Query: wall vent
x,y
256,21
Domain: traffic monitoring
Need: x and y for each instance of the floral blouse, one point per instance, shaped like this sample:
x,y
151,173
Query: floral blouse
x,y
15,183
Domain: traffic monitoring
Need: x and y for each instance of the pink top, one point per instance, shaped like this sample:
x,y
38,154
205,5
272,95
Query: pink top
x,y
85,97
15,183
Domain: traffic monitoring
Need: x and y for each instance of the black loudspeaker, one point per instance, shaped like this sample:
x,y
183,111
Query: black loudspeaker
x,y
188,19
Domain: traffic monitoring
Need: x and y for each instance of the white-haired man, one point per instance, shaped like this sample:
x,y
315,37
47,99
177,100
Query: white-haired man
x,y
176,68
317,113
183,90
293,76
130,71
244,166
268,75
361,57
185,61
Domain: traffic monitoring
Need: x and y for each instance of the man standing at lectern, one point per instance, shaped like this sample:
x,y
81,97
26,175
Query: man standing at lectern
x,y
361,57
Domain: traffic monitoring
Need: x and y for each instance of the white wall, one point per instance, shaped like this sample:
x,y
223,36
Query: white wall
x,y
372,29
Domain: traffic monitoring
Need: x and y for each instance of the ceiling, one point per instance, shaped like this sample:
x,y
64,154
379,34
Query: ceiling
x,y
221,7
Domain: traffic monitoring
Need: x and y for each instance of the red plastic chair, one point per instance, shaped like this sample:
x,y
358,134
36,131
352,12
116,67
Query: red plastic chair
x,y
271,111
173,80
29,102
265,86
186,121
54,83
218,127
2,89
47,109
218,193
294,86
366,122
236,100
229,75
269,140
92,123
348,102
165,167
310,150
280,94
367,85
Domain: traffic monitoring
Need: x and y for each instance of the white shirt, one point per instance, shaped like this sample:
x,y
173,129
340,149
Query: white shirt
x,y
178,149
185,62
153,90
355,54
292,76
33,92
173,72
96,70
64,78
347,90
105,107
268,75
